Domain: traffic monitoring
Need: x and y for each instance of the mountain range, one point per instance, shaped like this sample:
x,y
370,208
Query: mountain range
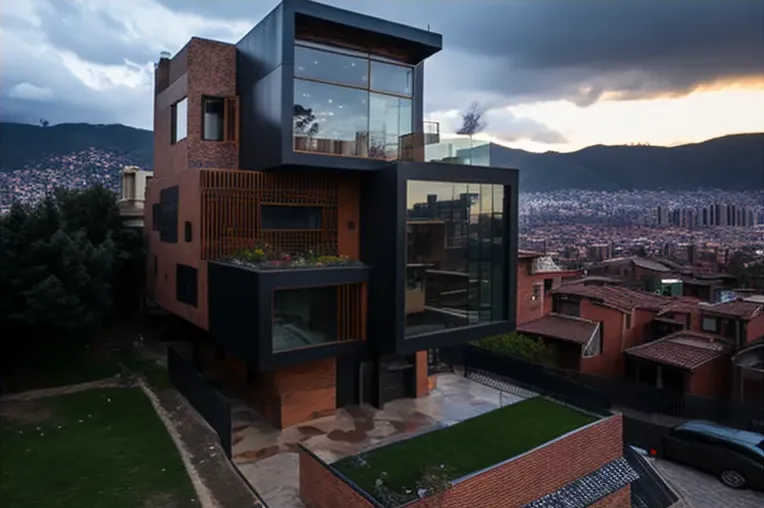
x,y
734,162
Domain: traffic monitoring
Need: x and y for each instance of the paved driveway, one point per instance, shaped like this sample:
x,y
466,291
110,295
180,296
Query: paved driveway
x,y
701,490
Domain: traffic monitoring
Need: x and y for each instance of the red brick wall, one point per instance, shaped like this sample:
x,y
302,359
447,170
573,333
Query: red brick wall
x,y
608,363
211,72
755,328
527,309
169,255
319,488
618,499
712,379
307,391
538,473
512,484
422,379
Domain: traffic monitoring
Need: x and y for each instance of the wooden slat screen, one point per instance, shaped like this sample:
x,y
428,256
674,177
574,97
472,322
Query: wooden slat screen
x,y
351,312
230,211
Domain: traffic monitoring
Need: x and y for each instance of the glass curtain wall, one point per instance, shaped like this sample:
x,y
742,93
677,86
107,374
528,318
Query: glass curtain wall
x,y
455,254
350,103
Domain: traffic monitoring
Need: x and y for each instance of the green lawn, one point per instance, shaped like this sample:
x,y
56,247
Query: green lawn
x,y
465,447
97,448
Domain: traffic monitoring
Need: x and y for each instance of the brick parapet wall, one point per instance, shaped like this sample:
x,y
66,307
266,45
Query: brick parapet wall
x,y
320,487
513,483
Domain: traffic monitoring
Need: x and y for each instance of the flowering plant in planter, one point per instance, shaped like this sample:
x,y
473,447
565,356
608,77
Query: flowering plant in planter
x,y
262,256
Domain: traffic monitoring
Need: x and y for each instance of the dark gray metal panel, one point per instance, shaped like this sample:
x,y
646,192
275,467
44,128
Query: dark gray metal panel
x,y
422,42
259,84
261,50
263,128
378,247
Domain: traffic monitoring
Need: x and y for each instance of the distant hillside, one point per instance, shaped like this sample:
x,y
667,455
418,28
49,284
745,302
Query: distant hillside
x,y
26,145
733,162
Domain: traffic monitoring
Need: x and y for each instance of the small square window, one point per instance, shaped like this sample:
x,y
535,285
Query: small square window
x,y
709,324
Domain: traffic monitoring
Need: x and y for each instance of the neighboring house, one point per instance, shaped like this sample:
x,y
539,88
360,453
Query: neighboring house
x,y
684,362
740,321
710,288
624,318
132,197
635,272
537,276
307,135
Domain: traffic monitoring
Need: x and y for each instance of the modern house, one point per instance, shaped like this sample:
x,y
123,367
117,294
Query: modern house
x,y
293,217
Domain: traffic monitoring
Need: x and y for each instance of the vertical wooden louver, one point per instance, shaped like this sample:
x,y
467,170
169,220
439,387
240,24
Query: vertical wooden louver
x,y
351,312
231,218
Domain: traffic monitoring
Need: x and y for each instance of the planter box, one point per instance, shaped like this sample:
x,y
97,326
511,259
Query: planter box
x,y
243,301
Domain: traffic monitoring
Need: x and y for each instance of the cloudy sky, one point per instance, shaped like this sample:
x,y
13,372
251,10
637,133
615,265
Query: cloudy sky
x,y
553,75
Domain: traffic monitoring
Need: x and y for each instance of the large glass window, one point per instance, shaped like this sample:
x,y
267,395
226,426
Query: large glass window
x,y
330,119
290,217
179,114
348,103
455,255
304,317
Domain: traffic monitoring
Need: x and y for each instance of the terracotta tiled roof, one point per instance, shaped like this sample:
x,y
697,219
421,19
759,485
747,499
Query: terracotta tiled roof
x,y
682,305
737,309
683,349
558,326
621,298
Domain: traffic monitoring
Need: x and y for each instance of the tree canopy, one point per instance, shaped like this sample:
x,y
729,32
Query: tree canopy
x,y
61,262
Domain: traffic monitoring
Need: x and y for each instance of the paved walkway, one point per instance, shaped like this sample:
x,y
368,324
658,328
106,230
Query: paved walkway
x,y
702,490
268,457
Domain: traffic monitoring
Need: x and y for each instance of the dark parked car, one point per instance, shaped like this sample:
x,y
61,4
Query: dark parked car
x,y
736,456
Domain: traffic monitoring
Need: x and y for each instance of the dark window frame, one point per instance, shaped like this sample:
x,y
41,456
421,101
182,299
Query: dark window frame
x,y
187,231
186,284
174,139
230,133
268,220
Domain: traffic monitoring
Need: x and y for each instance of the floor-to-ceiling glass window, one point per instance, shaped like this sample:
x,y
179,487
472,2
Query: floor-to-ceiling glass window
x,y
350,103
455,254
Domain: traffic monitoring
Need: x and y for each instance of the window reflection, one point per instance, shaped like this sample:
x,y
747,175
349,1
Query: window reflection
x,y
330,119
331,67
455,255
353,120
390,78
389,119
304,317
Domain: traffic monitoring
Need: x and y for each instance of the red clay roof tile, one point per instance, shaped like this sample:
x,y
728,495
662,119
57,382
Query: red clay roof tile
x,y
683,349
558,326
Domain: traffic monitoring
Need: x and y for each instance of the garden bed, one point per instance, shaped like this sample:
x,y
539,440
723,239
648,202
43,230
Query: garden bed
x,y
461,449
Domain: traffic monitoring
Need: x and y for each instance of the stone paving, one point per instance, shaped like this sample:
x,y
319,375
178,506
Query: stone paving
x,y
268,458
701,490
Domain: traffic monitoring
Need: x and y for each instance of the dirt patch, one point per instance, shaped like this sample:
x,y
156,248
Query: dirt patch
x,y
23,412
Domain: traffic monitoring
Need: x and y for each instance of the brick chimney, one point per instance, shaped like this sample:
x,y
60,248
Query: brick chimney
x,y
162,74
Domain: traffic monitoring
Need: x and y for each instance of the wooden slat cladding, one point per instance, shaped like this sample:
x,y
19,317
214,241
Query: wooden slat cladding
x,y
351,312
230,211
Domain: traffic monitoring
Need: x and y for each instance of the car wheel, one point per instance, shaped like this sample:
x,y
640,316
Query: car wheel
x,y
732,479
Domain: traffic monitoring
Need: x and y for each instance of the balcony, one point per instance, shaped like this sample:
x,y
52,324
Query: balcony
x,y
282,313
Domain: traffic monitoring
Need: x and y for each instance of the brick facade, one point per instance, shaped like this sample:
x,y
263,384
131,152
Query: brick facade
x,y
319,488
529,308
511,484
422,379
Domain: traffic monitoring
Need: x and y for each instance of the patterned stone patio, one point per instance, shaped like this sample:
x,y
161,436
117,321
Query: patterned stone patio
x,y
267,457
